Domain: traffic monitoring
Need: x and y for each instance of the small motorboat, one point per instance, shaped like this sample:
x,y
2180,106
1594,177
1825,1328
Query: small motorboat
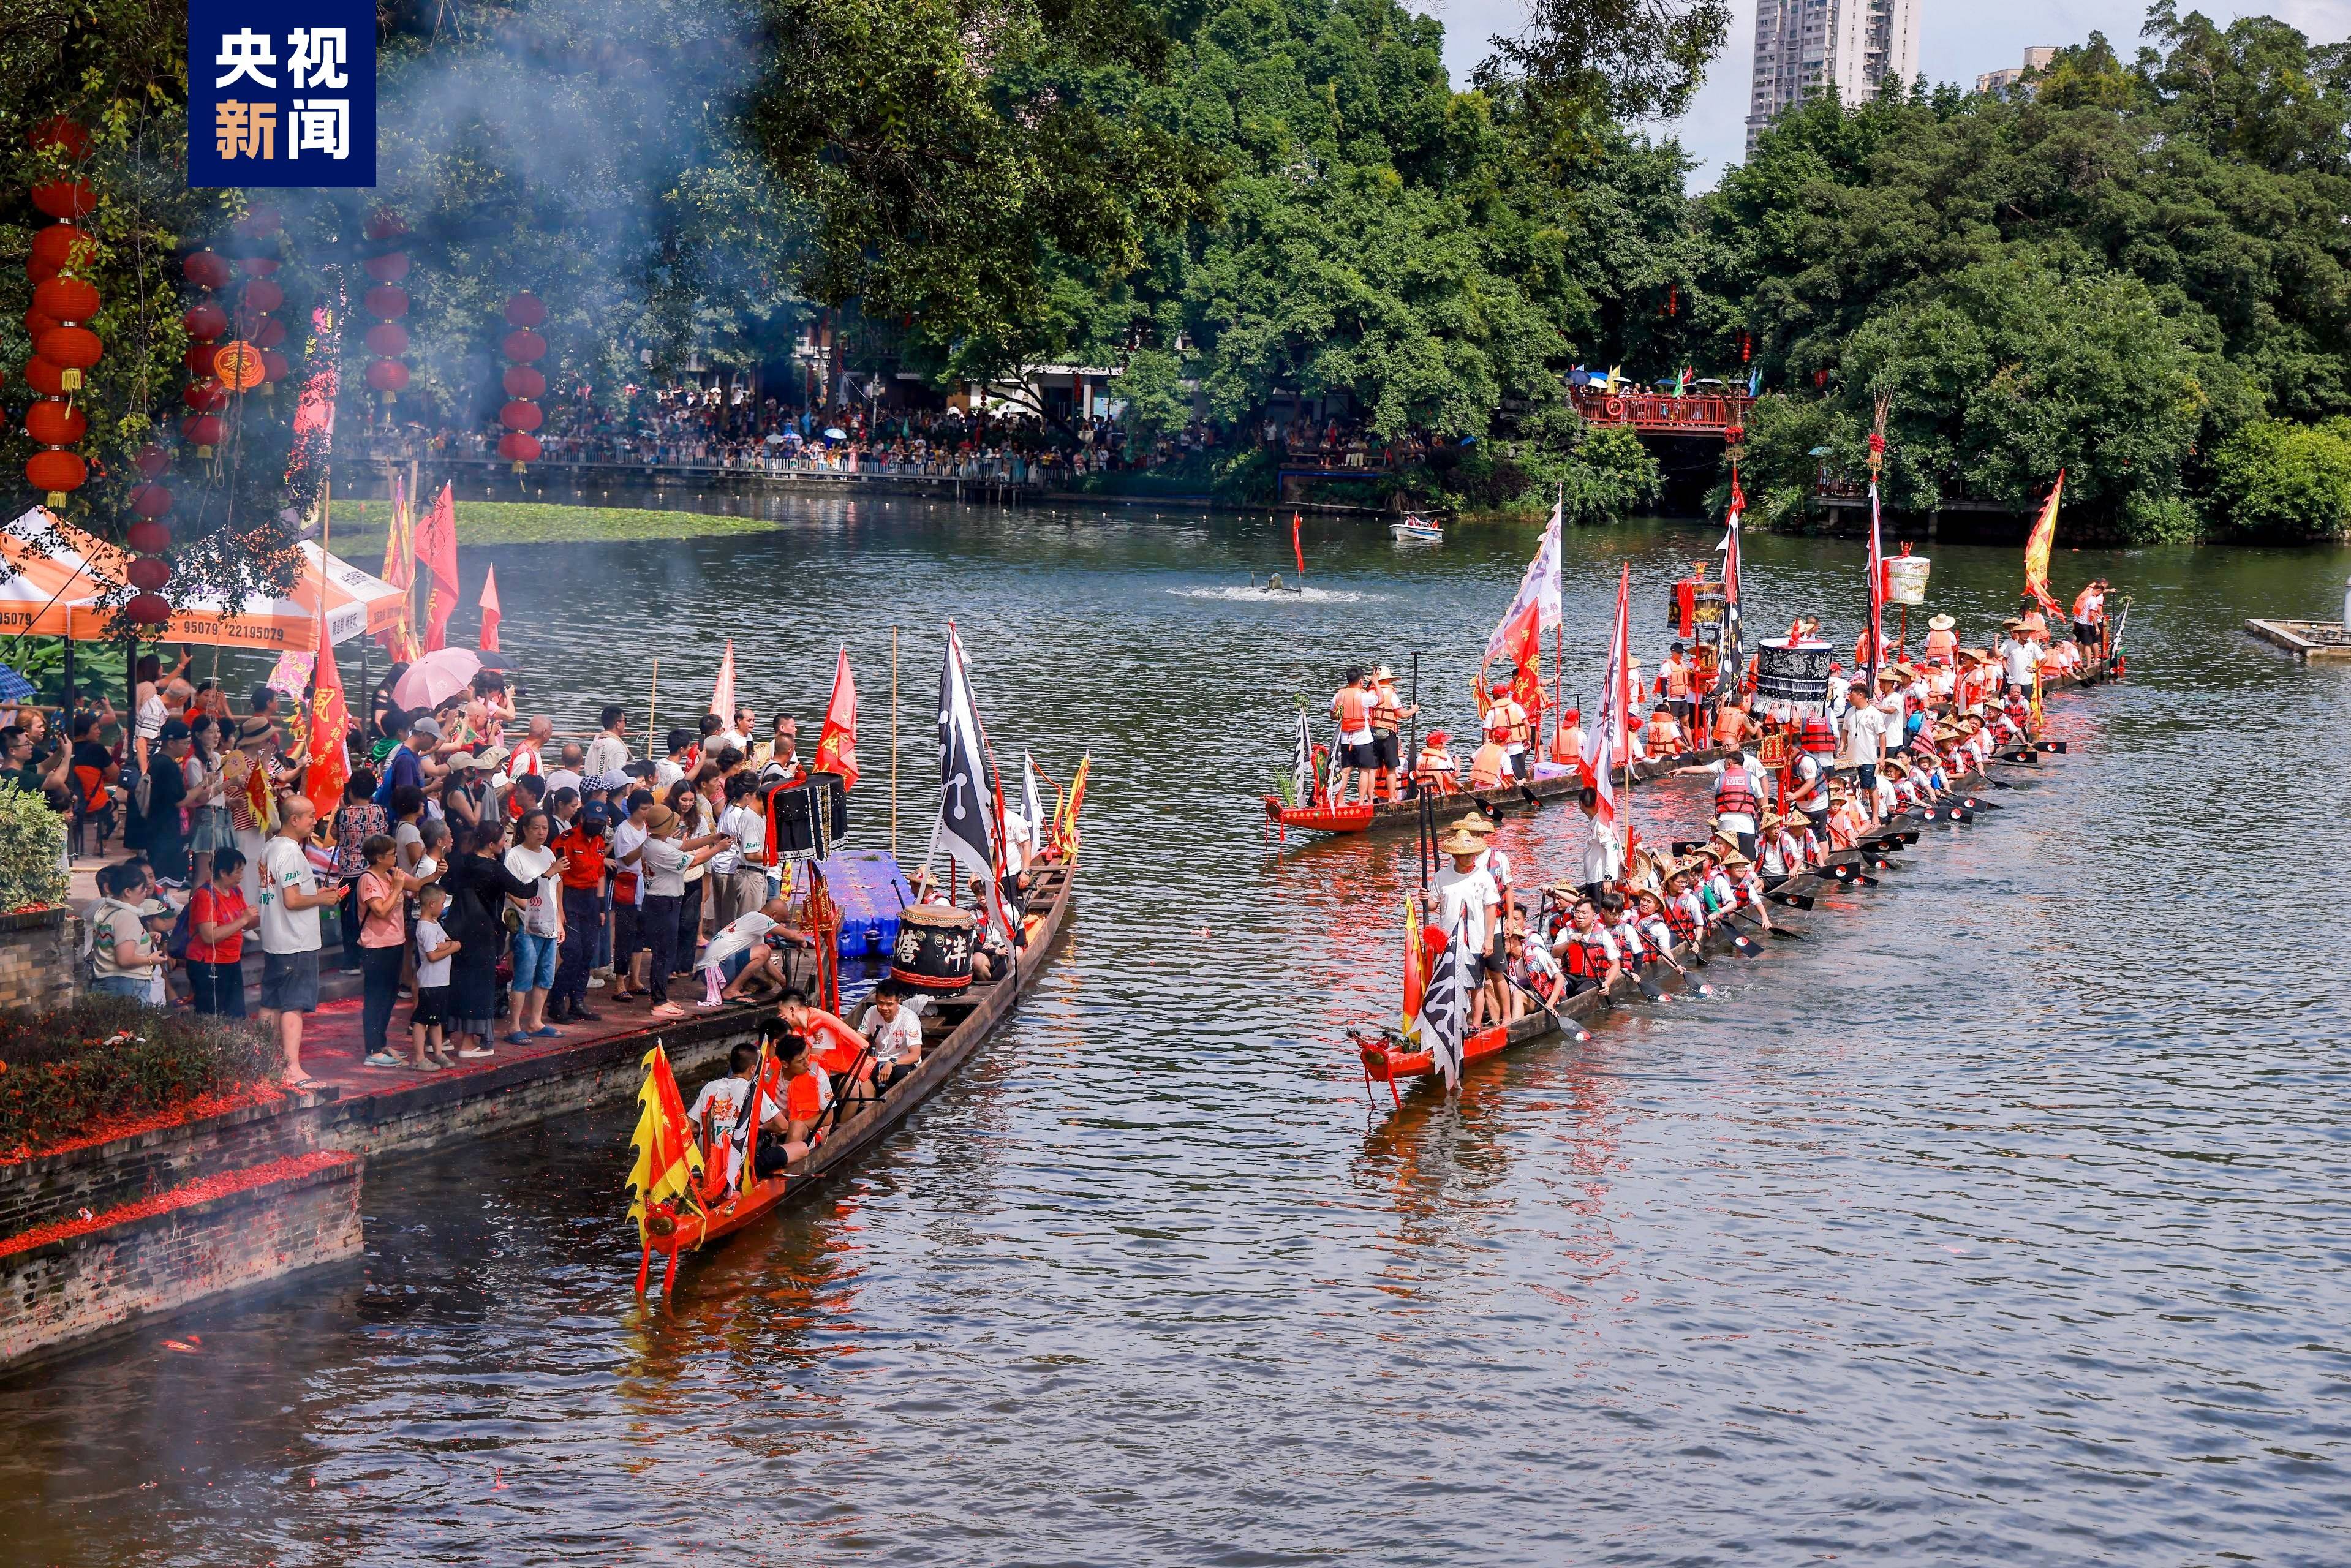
x,y
1418,530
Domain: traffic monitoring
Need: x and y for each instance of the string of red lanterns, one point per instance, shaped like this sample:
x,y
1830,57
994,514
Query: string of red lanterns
x,y
64,348
206,324
388,302
262,294
524,383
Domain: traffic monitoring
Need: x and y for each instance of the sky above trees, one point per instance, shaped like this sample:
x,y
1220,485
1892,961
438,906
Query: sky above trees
x,y
1956,43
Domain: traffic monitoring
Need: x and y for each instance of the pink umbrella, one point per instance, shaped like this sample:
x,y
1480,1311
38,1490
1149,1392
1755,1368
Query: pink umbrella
x,y
436,676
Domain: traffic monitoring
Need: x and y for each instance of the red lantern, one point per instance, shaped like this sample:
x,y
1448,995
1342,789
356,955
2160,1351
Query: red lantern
x,y
37,321
153,461
61,133
389,267
274,366
258,265
149,572
388,340
517,448
65,200
271,334
521,415
386,301
148,537
526,311
199,358
56,473
72,349
206,269
45,377
387,376
55,422
202,431
67,298
149,500
262,296
523,346
60,248
521,380
205,321
206,396
148,609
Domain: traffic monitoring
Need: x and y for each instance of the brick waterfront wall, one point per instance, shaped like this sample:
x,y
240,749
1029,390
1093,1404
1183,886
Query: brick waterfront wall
x,y
47,1188
39,967
72,1292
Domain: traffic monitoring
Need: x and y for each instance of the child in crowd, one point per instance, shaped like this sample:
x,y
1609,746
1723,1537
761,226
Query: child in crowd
x,y
433,951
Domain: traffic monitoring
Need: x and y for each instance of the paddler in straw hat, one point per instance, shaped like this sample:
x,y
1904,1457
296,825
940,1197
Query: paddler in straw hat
x,y
1464,905
1497,867
1388,713
1942,640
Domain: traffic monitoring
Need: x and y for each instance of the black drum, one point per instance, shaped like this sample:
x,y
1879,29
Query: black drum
x,y
934,951
832,791
1792,680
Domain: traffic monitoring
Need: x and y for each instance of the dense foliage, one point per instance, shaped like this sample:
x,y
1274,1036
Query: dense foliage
x,y
2137,271
2112,271
106,1061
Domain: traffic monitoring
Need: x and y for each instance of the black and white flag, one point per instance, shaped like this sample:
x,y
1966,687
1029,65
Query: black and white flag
x,y
1301,761
967,827
1444,1000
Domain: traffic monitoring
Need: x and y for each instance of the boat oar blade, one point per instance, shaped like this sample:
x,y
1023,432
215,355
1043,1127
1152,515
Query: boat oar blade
x,y
2059,747
1794,900
1650,988
1745,948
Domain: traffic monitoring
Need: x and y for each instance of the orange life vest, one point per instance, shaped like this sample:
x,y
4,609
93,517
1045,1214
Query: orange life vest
x,y
1675,680
1664,734
1485,767
1387,709
1730,726
1567,744
1353,707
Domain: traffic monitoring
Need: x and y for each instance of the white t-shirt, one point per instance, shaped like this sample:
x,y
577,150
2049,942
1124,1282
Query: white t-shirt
x,y
562,778
607,754
1604,852
749,829
722,1099
285,867
432,973
2019,658
1864,730
667,773
543,915
1466,901
663,866
897,1039
737,935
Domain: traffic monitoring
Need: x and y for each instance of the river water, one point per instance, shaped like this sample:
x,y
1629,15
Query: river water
x,y
2000,1219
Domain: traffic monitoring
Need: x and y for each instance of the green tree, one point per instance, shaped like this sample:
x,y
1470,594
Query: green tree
x,y
2278,482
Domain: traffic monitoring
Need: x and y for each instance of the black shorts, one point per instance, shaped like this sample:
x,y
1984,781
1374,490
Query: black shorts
x,y
432,1006
1355,755
1384,750
2084,631
1680,708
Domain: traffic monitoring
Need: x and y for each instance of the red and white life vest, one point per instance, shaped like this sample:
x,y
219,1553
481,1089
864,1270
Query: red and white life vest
x,y
1734,793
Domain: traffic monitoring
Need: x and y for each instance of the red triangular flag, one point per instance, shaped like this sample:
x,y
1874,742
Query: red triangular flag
x,y
490,613
436,550
835,747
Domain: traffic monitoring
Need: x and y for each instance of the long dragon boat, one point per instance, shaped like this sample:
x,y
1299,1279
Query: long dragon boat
x,y
953,1029
1377,816
1387,1058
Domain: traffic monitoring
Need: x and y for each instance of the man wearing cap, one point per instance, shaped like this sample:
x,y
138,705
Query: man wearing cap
x,y
1673,684
1463,905
2018,657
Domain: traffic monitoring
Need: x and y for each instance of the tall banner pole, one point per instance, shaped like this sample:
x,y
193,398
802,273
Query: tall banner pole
x,y
894,743
652,707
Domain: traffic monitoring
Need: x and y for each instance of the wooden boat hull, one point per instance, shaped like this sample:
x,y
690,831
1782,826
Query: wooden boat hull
x,y
982,1008
1379,816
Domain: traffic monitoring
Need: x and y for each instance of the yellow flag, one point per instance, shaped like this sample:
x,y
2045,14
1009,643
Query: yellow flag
x,y
668,1159
2036,547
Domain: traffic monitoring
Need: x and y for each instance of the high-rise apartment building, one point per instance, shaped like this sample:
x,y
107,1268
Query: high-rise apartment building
x,y
1847,46
2036,58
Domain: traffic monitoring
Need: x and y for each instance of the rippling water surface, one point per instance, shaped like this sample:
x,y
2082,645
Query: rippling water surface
x,y
2002,1218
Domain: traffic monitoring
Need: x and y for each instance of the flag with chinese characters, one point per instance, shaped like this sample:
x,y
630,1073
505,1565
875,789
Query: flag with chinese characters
x,y
836,747
1609,740
326,753
400,570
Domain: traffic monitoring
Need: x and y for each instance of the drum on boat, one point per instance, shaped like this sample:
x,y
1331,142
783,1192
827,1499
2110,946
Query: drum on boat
x,y
934,950
1906,578
1793,678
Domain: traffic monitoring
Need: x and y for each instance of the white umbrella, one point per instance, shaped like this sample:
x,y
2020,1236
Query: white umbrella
x,y
836,434
436,676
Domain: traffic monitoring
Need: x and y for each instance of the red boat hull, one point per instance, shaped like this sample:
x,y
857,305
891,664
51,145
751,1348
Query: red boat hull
x,y
1356,818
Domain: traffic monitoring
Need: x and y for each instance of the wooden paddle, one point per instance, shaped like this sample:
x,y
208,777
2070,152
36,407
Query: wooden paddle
x,y
1777,932
1576,1033
1793,900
